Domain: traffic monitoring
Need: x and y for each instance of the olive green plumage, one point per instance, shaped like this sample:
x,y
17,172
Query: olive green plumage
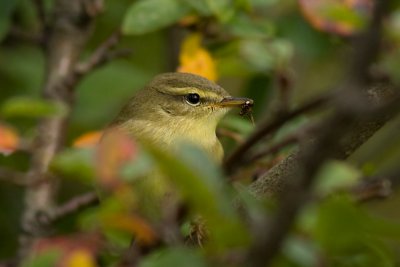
x,y
161,114
173,107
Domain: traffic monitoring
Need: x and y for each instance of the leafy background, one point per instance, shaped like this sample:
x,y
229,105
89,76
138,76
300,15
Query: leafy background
x,y
251,48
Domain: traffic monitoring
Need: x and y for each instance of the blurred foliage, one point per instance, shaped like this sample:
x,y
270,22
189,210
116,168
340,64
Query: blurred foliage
x,y
248,46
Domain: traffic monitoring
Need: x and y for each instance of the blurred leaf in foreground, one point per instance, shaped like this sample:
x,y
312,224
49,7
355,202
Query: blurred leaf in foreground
x,y
349,236
32,108
336,175
202,187
77,250
75,163
89,139
173,257
115,150
9,139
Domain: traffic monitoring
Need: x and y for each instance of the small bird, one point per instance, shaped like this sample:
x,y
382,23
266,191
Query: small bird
x,y
179,107
172,108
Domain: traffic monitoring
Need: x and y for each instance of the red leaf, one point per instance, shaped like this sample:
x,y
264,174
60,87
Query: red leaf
x,y
344,17
115,149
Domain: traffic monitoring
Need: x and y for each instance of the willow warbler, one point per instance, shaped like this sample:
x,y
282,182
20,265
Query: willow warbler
x,y
178,107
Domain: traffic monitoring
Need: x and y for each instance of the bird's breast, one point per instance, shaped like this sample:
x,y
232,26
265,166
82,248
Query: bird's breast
x,y
168,136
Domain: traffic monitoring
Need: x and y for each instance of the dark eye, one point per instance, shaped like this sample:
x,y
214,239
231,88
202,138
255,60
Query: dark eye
x,y
193,99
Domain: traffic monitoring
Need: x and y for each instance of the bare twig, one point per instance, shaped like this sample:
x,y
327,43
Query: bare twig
x,y
376,187
284,84
73,206
102,55
288,140
235,159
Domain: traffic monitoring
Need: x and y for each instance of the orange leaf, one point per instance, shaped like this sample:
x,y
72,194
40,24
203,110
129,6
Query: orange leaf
x,y
89,139
115,149
342,17
9,139
132,224
196,59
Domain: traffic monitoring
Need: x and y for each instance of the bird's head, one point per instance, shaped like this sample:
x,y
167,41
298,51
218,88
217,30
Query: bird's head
x,y
178,106
184,95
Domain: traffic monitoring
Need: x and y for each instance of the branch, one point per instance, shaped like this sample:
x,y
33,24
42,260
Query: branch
x,y
297,172
66,37
102,55
376,187
73,206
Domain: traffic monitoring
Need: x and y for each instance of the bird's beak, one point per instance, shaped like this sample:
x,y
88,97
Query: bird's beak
x,y
235,102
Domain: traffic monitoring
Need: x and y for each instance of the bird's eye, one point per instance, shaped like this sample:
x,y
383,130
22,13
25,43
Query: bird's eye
x,y
193,99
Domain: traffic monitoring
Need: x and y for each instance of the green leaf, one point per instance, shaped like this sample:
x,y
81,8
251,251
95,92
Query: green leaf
x,y
301,252
6,9
48,258
149,15
137,168
202,186
245,27
75,164
32,108
336,175
172,257
266,56
200,6
339,215
223,9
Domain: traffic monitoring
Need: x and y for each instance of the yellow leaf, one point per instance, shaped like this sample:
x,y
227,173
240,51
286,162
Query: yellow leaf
x,y
80,258
9,139
89,139
196,59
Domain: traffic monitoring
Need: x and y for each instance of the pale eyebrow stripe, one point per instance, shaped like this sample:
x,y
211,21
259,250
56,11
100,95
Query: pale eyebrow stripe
x,y
188,90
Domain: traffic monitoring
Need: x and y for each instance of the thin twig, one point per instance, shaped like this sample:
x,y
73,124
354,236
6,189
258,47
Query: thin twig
x,y
235,159
284,85
73,206
101,55
288,140
376,187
